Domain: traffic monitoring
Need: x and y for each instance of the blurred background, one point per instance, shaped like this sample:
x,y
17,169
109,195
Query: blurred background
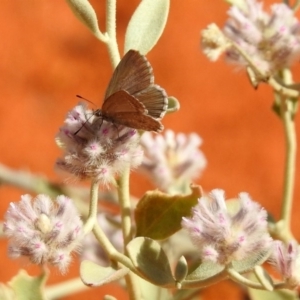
x,y
47,57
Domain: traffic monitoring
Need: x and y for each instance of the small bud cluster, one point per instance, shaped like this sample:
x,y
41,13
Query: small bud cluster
x,y
286,259
43,230
223,236
95,148
172,160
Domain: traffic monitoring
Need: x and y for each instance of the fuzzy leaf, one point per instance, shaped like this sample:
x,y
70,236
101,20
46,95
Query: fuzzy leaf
x,y
146,25
27,287
6,293
159,215
205,270
173,104
181,269
151,261
274,295
84,11
95,275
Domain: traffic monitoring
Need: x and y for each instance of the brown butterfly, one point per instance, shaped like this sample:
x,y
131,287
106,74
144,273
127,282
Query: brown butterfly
x,y
132,99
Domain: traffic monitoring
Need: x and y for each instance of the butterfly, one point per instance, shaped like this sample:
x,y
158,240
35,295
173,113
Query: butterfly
x,y
132,99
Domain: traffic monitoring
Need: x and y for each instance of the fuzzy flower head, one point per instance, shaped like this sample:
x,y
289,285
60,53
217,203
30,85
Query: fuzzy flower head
x,y
225,233
43,230
95,148
272,40
172,161
286,260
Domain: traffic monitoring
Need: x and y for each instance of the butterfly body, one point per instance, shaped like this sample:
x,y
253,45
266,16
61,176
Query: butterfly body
x,y
132,99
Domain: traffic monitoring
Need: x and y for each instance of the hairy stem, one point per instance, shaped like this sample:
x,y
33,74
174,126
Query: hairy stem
x,y
112,45
287,114
92,217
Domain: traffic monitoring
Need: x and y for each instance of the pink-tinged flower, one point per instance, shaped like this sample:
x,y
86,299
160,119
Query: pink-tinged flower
x,y
111,226
227,232
95,148
272,40
286,260
172,161
43,230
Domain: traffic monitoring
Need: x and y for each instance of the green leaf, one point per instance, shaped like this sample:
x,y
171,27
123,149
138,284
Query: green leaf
x,y
86,14
181,269
146,25
173,104
159,215
274,295
95,275
27,287
205,270
6,293
151,261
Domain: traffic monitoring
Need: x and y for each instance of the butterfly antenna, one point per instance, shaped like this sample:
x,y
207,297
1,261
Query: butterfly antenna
x,y
80,97
83,124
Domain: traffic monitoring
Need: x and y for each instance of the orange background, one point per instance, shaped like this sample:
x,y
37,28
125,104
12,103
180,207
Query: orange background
x,y
47,57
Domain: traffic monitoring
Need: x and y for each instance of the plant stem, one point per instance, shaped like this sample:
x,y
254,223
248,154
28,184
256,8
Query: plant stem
x,y
92,217
290,164
287,115
112,45
124,200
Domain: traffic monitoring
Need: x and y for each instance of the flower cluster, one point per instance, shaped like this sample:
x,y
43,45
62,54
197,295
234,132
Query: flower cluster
x,y
224,235
43,230
286,259
95,148
172,161
271,40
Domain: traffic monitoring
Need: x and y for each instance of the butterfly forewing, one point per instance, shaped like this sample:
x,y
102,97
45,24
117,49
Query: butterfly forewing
x,y
133,74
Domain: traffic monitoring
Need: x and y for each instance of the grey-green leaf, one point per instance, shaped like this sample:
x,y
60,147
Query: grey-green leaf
x,y
86,14
95,275
146,25
274,295
151,261
173,104
26,287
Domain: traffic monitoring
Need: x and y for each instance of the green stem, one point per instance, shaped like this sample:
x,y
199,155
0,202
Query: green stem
x,y
262,76
124,200
290,163
110,250
92,217
237,277
112,44
296,5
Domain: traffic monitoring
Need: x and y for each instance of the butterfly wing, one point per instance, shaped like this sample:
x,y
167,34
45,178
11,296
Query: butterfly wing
x,y
124,109
134,74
